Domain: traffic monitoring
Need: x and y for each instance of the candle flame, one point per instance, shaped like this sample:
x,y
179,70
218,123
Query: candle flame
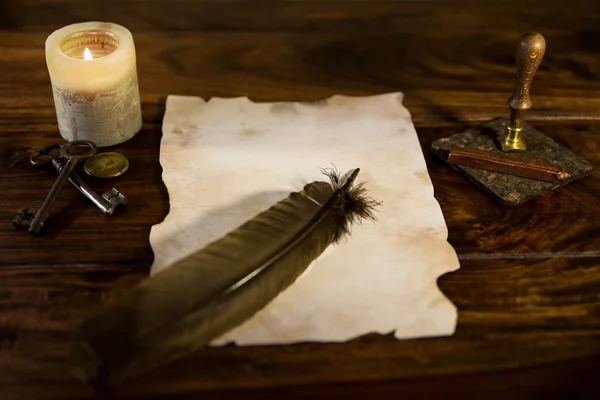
x,y
87,54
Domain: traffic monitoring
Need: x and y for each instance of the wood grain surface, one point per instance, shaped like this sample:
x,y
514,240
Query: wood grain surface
x,y
528,291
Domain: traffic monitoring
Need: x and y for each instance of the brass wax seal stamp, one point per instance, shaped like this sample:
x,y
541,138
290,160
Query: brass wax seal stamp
x,y
530,52
106,165
508,159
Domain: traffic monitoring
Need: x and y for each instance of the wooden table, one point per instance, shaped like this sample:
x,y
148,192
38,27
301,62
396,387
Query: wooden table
x,y
528,291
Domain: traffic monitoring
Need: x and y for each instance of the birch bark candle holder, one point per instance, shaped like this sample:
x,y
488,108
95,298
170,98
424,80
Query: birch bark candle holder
x,y
93,72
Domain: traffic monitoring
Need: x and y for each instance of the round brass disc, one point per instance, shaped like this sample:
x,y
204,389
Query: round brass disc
x,y
106,165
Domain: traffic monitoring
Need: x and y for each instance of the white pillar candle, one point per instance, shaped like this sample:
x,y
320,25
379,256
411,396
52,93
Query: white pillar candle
x,y
96,90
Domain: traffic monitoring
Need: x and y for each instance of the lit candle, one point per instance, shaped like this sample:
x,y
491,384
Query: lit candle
x,y
92,68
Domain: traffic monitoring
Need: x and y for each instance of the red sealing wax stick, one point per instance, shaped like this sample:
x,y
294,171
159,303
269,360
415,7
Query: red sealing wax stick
x,y
506,164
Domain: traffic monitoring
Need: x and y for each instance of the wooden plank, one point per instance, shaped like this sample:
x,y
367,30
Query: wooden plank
x,y
307,15
511,315
447,76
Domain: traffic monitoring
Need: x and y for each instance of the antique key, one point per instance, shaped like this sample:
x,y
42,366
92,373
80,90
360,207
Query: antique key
x,y
72,158
106,203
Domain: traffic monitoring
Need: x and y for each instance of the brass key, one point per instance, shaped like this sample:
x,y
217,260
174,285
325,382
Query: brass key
x,y
68,152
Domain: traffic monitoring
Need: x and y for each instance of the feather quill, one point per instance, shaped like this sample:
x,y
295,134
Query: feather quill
x,y
215,289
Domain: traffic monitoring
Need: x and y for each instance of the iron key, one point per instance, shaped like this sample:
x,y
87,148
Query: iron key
x,y
106,203
44,211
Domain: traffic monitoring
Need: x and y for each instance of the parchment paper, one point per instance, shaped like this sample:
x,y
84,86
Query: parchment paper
x,y
226,160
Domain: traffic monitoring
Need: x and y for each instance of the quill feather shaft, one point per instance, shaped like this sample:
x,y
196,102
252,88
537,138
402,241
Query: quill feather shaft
x,y
213,290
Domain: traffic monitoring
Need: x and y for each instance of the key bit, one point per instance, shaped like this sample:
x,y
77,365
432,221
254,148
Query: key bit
x,y
114,197
530,52
23,218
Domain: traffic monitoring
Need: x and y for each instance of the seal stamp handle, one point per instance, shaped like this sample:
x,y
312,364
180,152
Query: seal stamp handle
x,y
530,51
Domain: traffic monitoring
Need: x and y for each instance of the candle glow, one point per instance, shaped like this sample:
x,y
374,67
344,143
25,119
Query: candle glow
x,y
87,54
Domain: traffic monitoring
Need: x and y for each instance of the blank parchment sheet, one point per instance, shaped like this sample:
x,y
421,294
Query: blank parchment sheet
x,y
226,160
